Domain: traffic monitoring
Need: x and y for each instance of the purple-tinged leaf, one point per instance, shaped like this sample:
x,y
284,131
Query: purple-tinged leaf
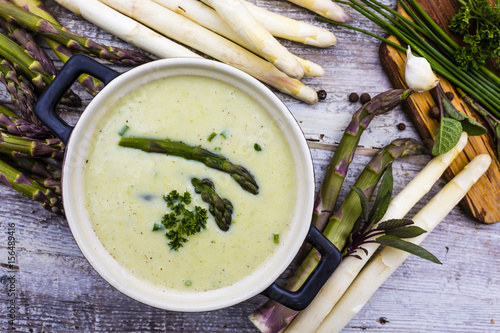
x,y
406,232
393,224
409,247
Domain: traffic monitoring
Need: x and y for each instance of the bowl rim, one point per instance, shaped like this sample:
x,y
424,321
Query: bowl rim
x,y
104,263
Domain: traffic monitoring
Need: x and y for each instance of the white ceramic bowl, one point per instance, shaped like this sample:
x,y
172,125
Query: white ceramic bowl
x,y
82,229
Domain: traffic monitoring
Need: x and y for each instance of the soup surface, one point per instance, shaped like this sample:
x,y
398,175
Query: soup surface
x,y
124,187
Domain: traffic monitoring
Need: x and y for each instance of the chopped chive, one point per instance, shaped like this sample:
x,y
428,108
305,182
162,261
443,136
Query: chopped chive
x,y
157,226
276,238
223,134
212,136
188,283
257,147
123,130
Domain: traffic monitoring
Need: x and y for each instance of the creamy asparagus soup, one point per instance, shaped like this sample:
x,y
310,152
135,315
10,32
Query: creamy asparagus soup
x,y
126,187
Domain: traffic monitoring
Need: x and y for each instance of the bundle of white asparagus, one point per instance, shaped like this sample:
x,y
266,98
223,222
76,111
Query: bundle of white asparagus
x,y
234,32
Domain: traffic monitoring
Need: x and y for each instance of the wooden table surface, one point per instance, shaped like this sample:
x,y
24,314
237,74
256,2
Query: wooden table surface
x,y
56,290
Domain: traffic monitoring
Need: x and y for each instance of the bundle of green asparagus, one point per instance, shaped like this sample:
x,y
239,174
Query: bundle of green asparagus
x,y
30,154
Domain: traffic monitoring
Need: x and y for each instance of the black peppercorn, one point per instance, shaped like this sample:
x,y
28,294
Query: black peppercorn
x,y
450,95
401,126
365,98
434,113
353,97
321,95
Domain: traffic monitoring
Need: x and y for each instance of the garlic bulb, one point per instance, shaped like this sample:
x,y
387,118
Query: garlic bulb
x,y
418,73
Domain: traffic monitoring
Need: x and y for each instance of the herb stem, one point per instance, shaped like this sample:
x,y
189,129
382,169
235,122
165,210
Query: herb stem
x,y
442,34
368,33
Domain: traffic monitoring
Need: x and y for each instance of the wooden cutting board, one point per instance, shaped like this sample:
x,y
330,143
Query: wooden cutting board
x,y
483,200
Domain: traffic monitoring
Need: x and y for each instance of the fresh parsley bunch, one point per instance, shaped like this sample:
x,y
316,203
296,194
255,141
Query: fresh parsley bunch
x,y
479,23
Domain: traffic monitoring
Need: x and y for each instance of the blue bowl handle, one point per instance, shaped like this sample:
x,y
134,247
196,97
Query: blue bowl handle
x,y
78,64
330,259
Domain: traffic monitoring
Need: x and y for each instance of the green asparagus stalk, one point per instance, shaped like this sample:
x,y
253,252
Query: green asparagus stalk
x,y
342,221
27,41
42,171
337,169
37,168
29,66
221,209
175,148
51,184
73,41
92,85
21,90
272,316
17,146
33,69
11,123
89,83
11,177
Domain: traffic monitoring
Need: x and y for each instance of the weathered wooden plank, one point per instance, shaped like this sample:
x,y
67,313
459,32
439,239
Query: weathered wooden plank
x,y
418,106
58,291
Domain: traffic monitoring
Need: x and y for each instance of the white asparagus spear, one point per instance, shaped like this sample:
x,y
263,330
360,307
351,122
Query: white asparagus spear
x,y
241,20
207,17
287,28
127,29
383,264
326,8
309,319
191,34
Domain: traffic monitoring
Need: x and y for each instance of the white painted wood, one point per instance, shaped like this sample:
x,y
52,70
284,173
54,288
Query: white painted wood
x,y
58,291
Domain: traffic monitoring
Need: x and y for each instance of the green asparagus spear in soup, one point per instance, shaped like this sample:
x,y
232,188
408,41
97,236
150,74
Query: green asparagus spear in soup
x,y
221,209
195,153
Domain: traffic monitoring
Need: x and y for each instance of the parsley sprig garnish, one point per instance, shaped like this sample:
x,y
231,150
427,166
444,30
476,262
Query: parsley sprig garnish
x,y
479,23
181,222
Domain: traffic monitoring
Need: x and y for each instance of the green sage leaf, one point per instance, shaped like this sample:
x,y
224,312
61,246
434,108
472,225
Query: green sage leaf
x,y
406,246
469,125
406,232
384,195
448,134
379,209
363,201
387,183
